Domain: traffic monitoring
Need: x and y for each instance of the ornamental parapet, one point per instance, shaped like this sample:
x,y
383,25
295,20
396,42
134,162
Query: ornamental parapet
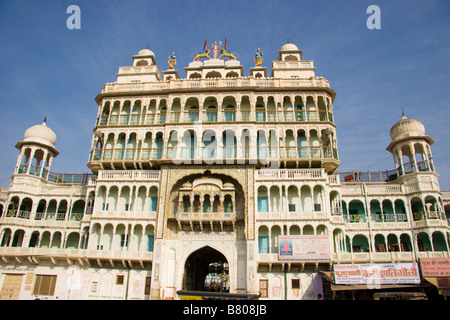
x,y
215,83
128,175
290,174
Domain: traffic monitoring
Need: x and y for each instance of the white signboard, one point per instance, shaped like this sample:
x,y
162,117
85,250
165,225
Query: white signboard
x,y
377,273
304,248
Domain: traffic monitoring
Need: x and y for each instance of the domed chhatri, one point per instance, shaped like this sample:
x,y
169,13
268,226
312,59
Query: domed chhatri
x,y
289,47
146,52
411,147
37,150
407,128
41,134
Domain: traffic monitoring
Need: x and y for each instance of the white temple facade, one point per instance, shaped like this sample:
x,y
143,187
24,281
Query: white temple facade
x,y
217,182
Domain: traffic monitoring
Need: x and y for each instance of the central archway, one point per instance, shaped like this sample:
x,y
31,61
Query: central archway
x,y
206,270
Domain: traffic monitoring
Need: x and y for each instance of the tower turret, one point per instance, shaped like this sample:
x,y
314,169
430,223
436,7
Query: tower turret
x,y
37,150
290,64
144,69
411,147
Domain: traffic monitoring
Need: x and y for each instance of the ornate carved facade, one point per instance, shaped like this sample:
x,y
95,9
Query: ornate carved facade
x,y
191,175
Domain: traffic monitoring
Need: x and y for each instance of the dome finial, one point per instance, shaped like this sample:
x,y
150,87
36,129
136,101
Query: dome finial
x,y
45,119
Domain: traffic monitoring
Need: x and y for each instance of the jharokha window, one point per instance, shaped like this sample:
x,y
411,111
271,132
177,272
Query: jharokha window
x,y
206,195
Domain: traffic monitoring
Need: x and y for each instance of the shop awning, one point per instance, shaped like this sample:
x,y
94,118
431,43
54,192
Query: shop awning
x,y
432,280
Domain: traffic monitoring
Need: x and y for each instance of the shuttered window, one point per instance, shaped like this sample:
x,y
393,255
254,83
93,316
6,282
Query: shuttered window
x,y
264,288
44,285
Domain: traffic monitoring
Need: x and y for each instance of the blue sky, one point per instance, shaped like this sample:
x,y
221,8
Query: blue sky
x,y
50,71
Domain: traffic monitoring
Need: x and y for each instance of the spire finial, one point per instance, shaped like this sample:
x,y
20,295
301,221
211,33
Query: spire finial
x,y
403,115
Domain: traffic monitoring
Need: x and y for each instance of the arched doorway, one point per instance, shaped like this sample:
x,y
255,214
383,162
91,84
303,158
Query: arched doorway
x,y
206,270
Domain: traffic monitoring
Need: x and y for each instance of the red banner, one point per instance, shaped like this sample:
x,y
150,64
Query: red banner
x,y
439,267
376,273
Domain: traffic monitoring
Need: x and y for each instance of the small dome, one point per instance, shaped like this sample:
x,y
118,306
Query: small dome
x,y
228,185
289,47
187,185
40,133
146,52
407,128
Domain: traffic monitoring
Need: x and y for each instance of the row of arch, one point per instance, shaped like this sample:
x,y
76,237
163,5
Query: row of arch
x,y
213,75
44,238
207,203
410,157
435,241
291,198
111,198
34,161
210,108
60,209
307,199
213,143
127,198
275,198
388,210
347,243
122,237
110,237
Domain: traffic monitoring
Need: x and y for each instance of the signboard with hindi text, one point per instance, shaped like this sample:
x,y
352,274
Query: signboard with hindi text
x,y
377,273
438,267
304,248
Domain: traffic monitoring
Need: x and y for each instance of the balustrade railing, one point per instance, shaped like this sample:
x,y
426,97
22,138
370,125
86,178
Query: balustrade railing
x,y
282,174
214,152
207,216
216,83
214,116
384,176
59,216
68,178
129,175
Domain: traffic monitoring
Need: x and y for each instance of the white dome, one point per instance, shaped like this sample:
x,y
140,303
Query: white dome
x,y
146,52
289,47
407,128
40,133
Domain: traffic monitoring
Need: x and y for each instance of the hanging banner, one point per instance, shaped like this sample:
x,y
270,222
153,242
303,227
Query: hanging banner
x,y
439,267
377,273
304,248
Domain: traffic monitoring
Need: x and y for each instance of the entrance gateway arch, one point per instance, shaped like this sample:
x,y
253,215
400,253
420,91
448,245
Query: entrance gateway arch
x,y
206,269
